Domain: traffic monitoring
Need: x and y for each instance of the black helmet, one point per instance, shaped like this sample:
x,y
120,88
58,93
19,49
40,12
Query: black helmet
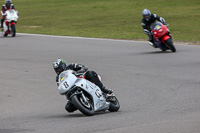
x,y
59,66
8,3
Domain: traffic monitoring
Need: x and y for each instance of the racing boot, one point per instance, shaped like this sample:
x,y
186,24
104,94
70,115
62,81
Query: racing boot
x,y
151,42
70,107
108,94
107,91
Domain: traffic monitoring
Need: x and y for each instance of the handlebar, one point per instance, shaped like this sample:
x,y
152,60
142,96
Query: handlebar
x,y
77,74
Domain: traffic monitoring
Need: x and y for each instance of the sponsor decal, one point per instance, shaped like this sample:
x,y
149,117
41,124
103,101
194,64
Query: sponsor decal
x,y
157,27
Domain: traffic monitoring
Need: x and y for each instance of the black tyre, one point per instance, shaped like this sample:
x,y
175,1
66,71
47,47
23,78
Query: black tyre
x,y
85,108
169,43
13,30
114,106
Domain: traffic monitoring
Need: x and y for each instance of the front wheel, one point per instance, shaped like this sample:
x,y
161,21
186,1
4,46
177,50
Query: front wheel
x,y
13,30
85,107
169,43
114,105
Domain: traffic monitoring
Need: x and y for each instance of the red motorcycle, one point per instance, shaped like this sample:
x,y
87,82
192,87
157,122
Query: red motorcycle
x,y
162,37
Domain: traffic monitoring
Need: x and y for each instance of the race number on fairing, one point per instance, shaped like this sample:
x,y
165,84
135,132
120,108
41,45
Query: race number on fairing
x,y
65,84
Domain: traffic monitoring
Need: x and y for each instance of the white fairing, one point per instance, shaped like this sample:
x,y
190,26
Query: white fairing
x,y
66,81
11,15
98,97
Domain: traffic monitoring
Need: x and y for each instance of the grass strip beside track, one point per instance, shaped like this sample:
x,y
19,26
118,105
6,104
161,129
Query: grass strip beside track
x,y
117,19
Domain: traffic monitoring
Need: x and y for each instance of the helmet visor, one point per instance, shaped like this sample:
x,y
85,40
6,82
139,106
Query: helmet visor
x,y
147,17
58,70
8,5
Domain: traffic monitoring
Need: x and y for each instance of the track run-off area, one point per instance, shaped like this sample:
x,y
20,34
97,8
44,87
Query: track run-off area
x,y
159,92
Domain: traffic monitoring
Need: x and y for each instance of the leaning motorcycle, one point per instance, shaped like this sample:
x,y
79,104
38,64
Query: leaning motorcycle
x,y
85,95
162,37
9,25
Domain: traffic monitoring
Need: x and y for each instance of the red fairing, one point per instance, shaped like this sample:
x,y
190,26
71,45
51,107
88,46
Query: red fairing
x,y
165,38
81,77
12,23
6,22
160,32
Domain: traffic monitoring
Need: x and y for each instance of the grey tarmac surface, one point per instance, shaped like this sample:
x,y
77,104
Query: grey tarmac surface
x,y
159,92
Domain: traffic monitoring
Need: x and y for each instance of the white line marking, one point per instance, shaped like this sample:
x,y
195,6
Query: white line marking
x,y
71,37
100,39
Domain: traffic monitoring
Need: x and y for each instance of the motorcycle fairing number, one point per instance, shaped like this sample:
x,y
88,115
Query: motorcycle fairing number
x,y
157,27
98,93
65,84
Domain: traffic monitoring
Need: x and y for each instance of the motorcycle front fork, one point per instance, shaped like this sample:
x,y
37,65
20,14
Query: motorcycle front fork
x,y
84,98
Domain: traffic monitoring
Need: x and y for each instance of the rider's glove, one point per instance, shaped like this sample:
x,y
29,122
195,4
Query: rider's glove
x,y
146,31
162,20
165,23
81,71
77,74
4,15
57,78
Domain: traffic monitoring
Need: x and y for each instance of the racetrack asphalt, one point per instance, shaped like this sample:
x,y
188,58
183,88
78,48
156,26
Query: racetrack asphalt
x,y
159,92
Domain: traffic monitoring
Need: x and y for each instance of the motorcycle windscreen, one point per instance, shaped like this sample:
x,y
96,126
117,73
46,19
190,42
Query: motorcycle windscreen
x,y
11,15
155,26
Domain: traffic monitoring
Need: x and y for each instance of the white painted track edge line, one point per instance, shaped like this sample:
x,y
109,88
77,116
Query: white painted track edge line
x,y
88,38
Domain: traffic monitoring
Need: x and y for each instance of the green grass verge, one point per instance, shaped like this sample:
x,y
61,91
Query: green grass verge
x,y
118,19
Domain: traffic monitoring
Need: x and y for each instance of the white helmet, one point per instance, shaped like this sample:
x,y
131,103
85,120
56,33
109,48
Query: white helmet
x,y
8,1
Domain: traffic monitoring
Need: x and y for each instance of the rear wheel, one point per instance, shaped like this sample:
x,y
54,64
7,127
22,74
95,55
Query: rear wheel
x,y
114,105
85,107
13,30
169,43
